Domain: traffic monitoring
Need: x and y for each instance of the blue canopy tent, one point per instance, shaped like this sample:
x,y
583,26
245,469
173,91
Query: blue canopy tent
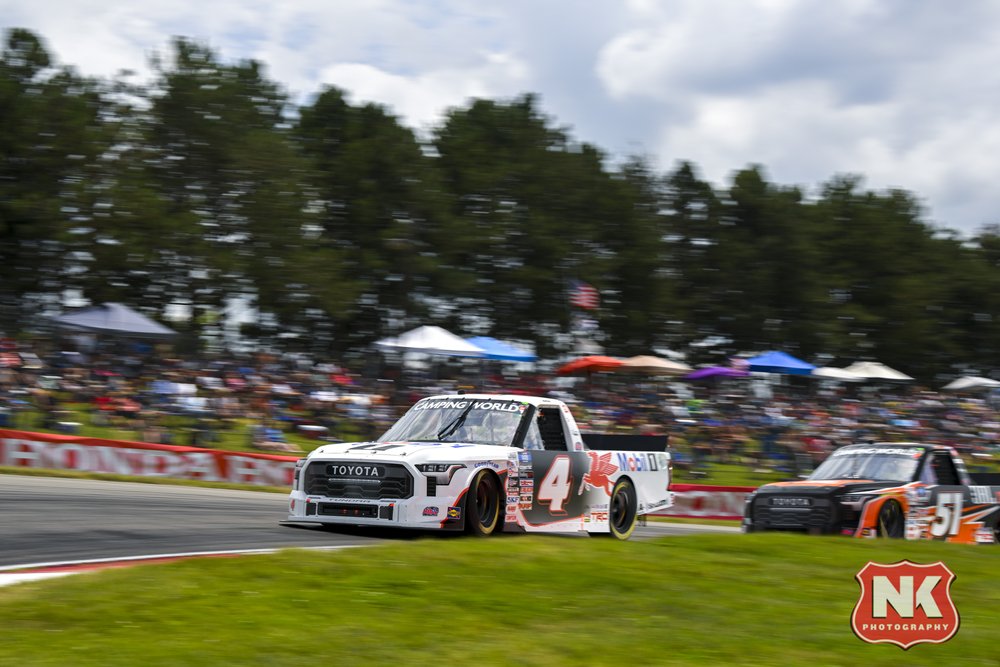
x,y
779,362
497,349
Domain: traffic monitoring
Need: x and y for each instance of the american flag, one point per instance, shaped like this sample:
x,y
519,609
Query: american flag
x,y
583,295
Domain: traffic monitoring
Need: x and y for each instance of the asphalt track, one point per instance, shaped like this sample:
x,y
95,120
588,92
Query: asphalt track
x,y
48,520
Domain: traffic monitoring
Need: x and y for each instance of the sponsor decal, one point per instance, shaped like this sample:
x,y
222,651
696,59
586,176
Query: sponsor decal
x,y
905,604
524,457
666,502
495,406
638,461
454,512
441,405
527,483
487,464
887,451
499,407
599,517
354,470
981,494
430,511
782,501
599,474
39,450
700,501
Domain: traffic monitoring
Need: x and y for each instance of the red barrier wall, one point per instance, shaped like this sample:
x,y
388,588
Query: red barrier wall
x,y
700,501
23,449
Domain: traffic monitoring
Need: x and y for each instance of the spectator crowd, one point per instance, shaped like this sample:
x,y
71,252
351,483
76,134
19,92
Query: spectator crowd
x,y
191,402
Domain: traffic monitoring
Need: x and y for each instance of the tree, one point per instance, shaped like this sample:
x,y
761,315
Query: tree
x,y
530,204
380,209
50,131
234,197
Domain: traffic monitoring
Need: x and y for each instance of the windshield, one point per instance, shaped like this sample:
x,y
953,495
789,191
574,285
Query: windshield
x,y
877,464
480,421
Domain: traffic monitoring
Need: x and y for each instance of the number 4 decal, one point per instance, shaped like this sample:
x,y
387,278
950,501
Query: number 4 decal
x,y
556,485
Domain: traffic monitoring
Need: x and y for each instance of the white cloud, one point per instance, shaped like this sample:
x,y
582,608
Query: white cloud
x,y
903,93
422,98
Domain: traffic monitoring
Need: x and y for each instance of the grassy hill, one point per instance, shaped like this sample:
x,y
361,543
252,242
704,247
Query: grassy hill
x,y
524,600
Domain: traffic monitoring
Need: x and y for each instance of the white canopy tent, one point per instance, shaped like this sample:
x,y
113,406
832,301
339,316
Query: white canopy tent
x,y
430,340
873,370
836,374
971,383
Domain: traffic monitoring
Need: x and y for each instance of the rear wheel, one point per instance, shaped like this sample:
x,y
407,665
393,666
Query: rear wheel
x,y
890,520
482,506
623,510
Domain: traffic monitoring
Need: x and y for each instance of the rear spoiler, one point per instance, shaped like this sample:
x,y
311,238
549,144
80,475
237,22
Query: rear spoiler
x,y
625,443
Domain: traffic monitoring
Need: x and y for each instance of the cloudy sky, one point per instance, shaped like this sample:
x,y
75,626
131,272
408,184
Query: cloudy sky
x,y
903,92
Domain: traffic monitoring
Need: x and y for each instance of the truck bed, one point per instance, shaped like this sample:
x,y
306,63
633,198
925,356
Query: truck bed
x,y
986,478
625,442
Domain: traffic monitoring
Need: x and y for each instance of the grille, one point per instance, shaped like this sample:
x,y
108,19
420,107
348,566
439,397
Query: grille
x,y
814,517
344,509
395,482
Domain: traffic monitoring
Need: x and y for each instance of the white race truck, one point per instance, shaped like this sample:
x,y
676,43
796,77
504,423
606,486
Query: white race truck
x,y
486,463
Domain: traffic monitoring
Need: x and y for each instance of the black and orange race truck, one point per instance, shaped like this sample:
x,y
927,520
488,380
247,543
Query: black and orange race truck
x,y
899,490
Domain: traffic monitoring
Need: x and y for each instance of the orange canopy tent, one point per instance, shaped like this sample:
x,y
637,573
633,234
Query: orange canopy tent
x,y
589,364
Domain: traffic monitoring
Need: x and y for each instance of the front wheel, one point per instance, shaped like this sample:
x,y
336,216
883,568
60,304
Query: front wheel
x,y
482,506
622,514
890,520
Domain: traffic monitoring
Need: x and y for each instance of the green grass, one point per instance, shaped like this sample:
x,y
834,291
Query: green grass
x,y
231,435
526,600
731,474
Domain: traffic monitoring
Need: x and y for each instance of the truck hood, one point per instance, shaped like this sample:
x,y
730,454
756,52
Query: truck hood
x,y
826,486
410,451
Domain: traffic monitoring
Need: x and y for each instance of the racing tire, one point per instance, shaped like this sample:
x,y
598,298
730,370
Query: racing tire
x,y
891,522
482,506
622,509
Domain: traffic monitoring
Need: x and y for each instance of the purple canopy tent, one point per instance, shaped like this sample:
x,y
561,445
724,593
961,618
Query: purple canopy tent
x,y
715,372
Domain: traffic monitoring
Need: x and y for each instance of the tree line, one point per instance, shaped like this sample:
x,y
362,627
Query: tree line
x,y
339,225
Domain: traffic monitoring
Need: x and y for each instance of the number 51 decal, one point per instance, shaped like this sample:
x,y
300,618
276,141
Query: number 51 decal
x,y
947,515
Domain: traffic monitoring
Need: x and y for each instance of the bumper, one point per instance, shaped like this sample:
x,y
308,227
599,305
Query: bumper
x,y
420,512
824,517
